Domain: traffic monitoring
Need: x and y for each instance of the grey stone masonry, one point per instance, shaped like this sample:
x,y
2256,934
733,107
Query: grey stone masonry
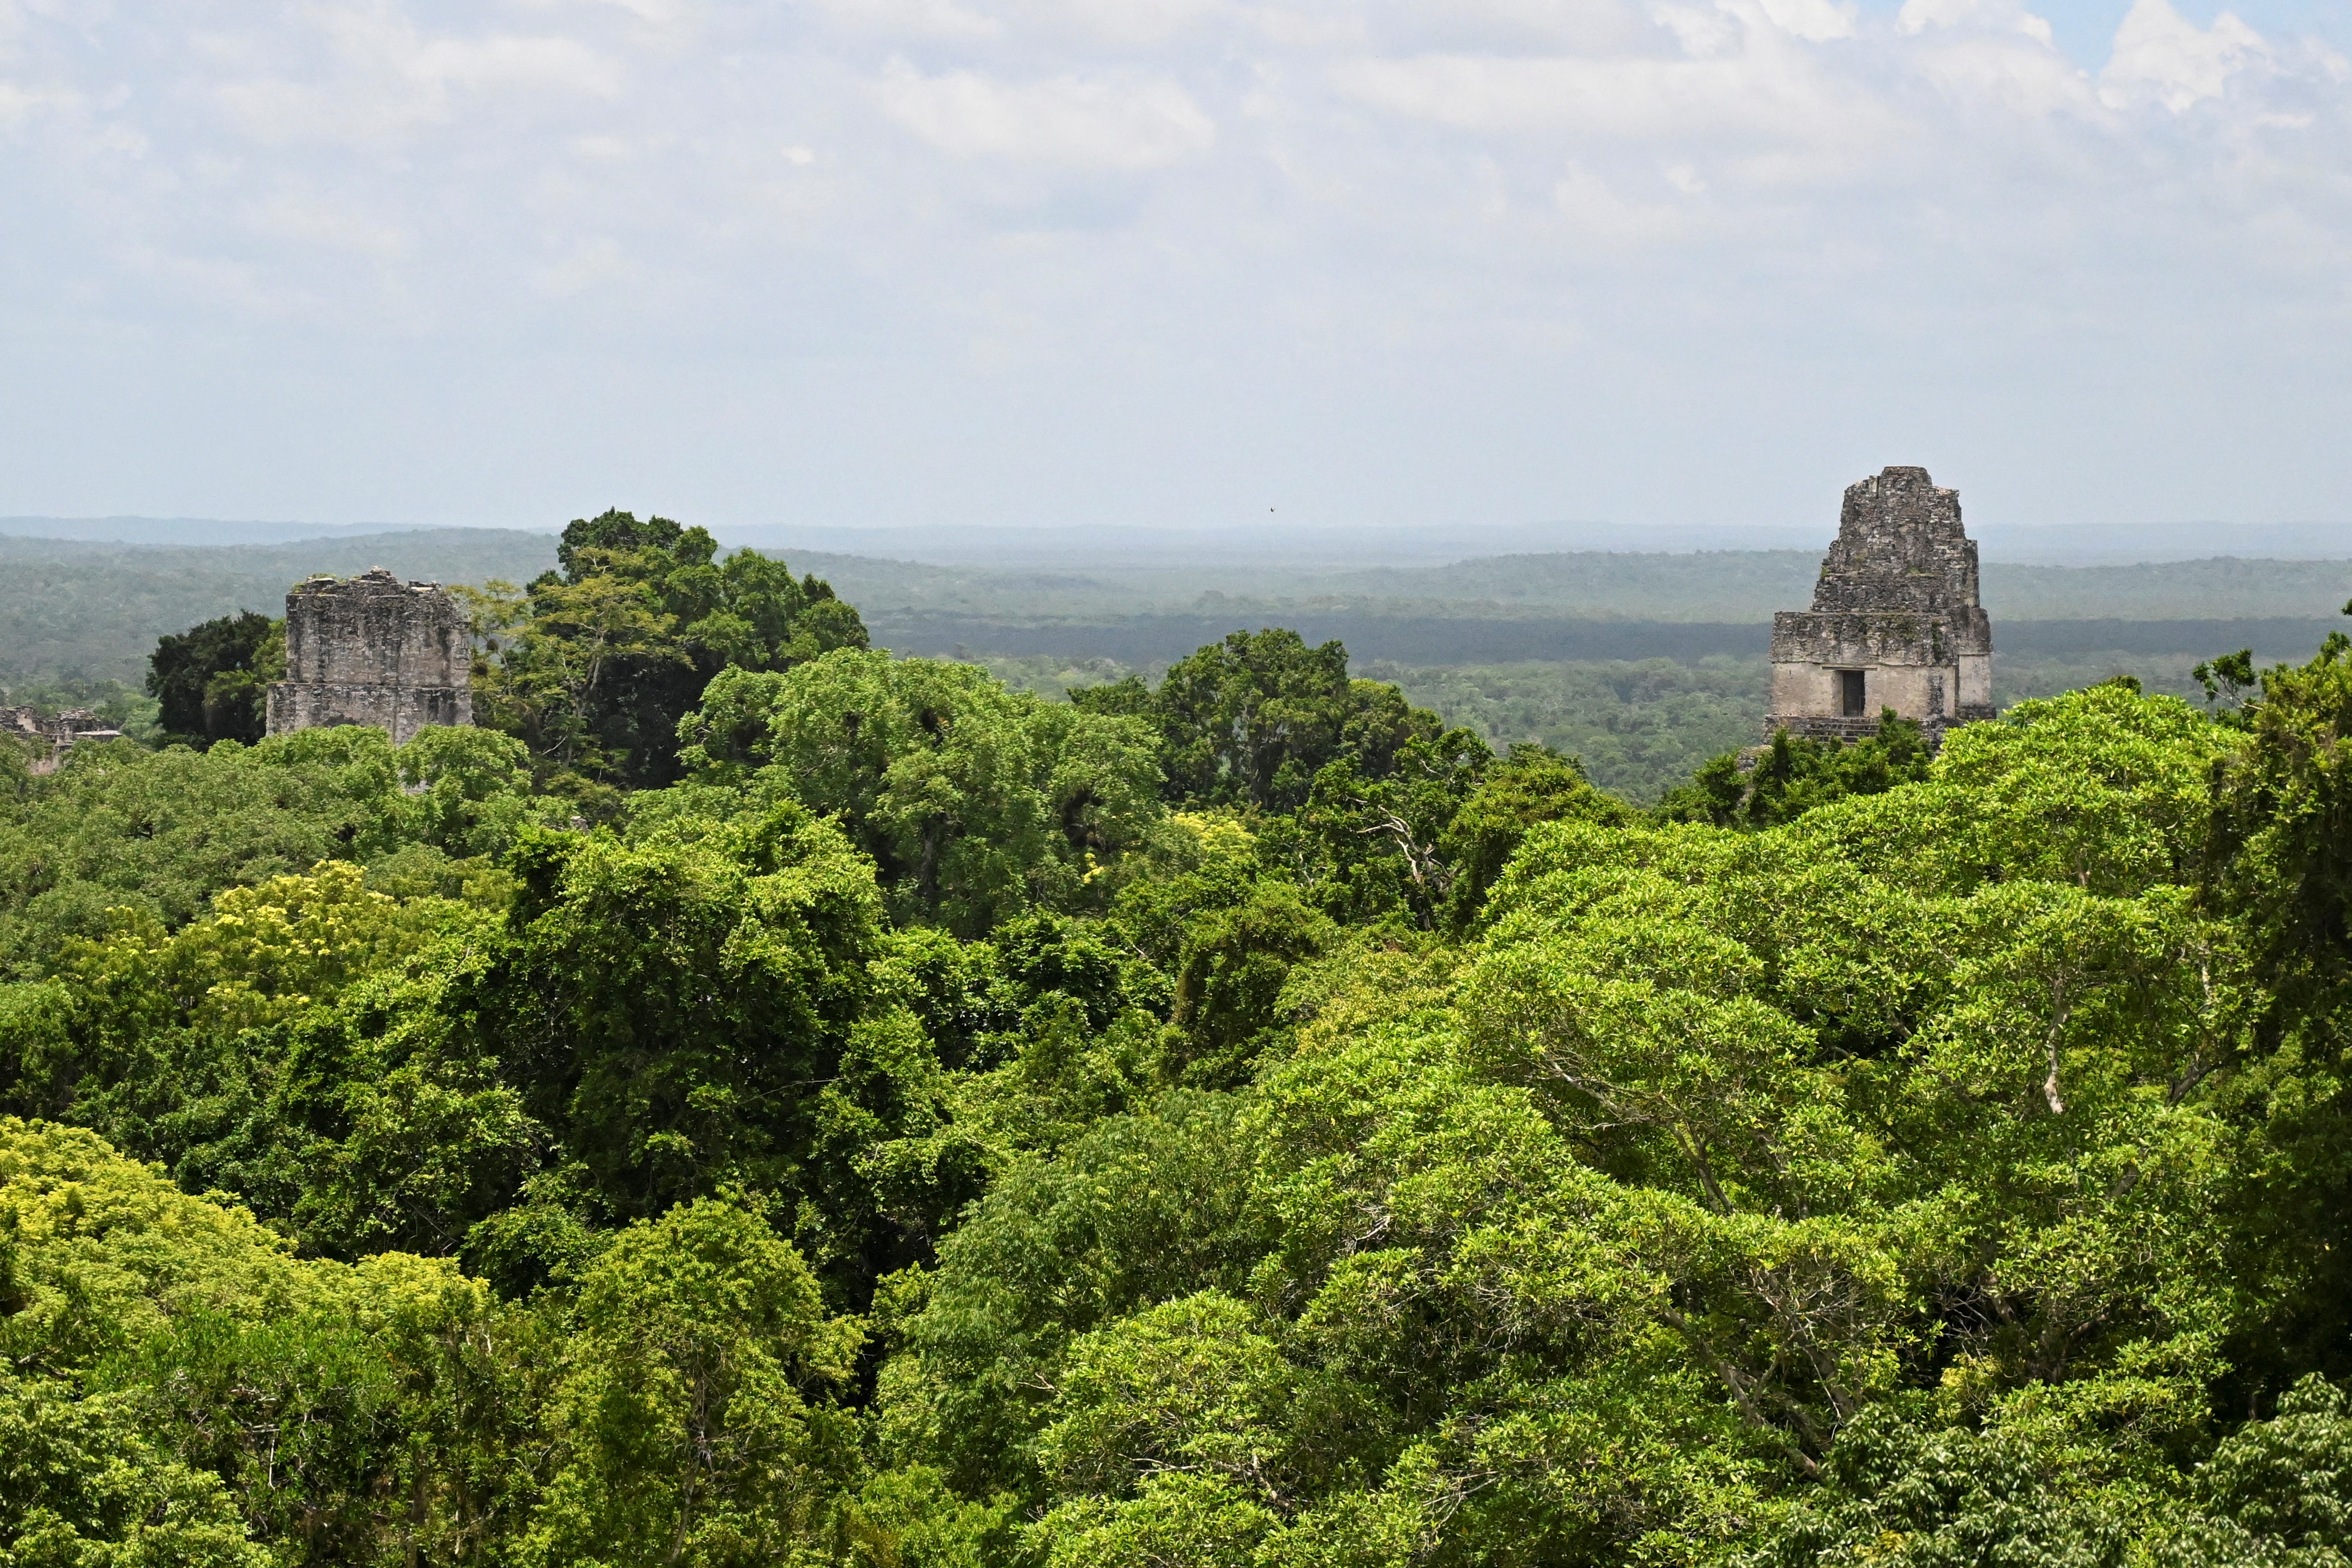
x,y
376,651
1895,622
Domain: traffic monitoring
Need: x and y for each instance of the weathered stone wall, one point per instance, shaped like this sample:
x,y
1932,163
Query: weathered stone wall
x,y
1810,691
1897,602
375,651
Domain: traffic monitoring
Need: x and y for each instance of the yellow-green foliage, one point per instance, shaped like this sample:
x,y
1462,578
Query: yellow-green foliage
x,y
101,1252
264,953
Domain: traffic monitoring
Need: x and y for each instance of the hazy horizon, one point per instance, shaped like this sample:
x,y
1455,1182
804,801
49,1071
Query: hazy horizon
x,y
1165,548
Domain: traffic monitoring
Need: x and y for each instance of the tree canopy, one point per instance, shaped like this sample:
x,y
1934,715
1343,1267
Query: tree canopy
x,y
1236,1122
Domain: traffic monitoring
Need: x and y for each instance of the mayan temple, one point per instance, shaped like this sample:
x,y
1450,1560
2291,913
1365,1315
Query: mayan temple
x,y
1895,622
376,651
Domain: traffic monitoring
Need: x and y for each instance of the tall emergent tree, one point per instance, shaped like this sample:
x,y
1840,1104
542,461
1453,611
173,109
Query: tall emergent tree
x,y
1249,721
594,664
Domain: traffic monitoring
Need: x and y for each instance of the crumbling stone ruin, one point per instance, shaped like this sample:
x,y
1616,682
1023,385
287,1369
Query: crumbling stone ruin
x,y
52,738
1895,622
375,651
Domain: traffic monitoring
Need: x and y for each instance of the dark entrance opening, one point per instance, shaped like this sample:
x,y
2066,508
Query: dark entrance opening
x,y
1850,693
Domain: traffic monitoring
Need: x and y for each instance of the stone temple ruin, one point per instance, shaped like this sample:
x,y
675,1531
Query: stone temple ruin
x,y
1895,622
50,740
373,650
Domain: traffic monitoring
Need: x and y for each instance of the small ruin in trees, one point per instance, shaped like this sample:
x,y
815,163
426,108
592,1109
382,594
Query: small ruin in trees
x,y
1894,623
373,650
52,738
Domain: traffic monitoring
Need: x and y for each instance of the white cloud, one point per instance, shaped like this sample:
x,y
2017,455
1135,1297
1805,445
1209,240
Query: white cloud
x,y
19,104
312,219
591,264
1597,211
1984,16
1124,122
510,64
1817,20
1756,90
370,75
1118,24
661,13
943,21
1345,202
2160,57
1995,54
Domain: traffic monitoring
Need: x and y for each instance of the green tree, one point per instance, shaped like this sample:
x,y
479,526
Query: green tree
x,y
1368,845
1796,773
163,833
976,804
81,1486
593,665
398,1421
1251,720
2277,1490
1141,1209
467,790
1188,1399
181,1383
1901,1492
101,1253
694,1009
2283,808
1358,786
2276,862
1597,1242
696,1421
213,681
141,1023
1533,784
1229,977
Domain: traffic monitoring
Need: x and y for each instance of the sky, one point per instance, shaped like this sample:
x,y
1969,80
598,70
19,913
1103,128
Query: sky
x,y
1174,263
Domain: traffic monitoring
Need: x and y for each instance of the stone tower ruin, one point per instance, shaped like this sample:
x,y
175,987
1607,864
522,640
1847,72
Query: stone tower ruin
x,y
1895,622
375,651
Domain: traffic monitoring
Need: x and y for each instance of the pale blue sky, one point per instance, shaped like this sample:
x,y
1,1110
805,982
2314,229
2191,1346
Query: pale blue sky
x,y
2085,29
920,262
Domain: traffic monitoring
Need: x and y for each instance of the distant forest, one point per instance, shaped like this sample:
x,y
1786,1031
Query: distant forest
x,y
1642,664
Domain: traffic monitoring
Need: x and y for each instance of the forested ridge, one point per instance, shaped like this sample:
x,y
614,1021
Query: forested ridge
x,y
757,1100
1642,664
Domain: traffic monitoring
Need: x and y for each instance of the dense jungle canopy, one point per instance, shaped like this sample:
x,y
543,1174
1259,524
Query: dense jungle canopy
x,y
759,1100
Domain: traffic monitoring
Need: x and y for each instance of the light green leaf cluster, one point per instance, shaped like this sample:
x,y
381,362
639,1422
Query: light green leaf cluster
x,y
690,1433
181,1389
